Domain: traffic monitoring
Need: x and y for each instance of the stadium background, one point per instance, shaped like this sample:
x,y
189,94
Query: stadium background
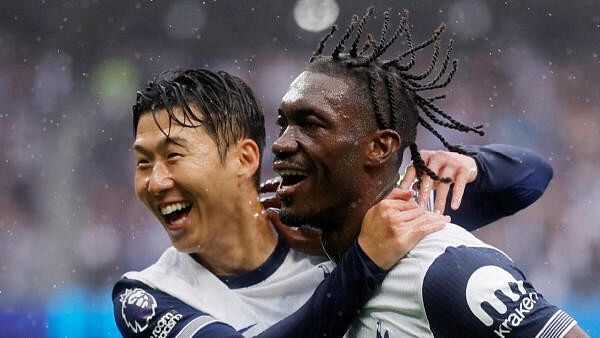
x,y
70,224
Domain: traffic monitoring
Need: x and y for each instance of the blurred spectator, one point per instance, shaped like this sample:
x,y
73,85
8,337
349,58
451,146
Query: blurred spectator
x,y
69,70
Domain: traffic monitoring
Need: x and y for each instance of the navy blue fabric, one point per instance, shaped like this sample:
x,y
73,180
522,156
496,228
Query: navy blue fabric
x,y
261,273
336,302
141,311
510,179
328,313
519,311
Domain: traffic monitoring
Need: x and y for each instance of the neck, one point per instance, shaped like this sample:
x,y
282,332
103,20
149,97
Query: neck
x,y
340,235
245,240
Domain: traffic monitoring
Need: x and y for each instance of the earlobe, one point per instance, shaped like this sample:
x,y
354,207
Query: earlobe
x,y
248,158
383,145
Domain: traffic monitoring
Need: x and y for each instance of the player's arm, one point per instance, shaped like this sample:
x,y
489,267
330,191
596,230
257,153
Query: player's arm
x,y
497,181
510,179
489,297
141,311
390,229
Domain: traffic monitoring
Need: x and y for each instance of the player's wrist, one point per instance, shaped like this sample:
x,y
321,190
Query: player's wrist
x,y
374,257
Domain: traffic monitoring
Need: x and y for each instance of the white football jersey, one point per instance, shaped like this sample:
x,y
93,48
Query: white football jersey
x,y
248,303
454,285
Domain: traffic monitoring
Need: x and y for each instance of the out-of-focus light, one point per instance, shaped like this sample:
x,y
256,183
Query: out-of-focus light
x,y
53,81
116,81
98,246
184,19
316,15
469,19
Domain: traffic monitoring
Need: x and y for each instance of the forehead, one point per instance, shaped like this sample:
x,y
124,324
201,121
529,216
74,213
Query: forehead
x,y
317,90
150,125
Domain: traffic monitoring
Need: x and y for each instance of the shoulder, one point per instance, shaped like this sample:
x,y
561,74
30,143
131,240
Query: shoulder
x,y
488,296
142,311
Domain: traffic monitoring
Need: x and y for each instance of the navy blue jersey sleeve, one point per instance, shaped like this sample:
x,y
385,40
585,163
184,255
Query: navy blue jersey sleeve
x,y
478,292
141,311
509,179
336,302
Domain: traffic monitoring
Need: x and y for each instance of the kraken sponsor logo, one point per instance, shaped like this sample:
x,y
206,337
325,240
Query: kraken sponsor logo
x,y
482,287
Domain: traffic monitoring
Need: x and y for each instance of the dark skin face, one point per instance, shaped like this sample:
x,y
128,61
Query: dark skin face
x,y
330,155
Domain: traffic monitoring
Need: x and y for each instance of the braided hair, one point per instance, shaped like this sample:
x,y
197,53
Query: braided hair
x,y
395,92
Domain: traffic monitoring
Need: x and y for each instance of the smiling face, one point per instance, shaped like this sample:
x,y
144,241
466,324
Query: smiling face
x,y
320,152
181,179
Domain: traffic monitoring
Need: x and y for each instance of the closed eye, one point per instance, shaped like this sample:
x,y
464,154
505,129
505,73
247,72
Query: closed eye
x,y
311,121
143,164
172,156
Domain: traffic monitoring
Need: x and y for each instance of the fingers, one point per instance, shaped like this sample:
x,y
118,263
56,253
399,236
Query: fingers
x,y
406,216
427,224
396,204
429,228
441,193
460,183
427,182
400,194
270,202
409,177
269,185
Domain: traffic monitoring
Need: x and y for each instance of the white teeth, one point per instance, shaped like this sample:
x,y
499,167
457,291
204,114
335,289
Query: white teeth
x,y
287,172
173,207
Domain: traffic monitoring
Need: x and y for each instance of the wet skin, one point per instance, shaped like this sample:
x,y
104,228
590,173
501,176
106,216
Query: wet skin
x,y
325,139
219,226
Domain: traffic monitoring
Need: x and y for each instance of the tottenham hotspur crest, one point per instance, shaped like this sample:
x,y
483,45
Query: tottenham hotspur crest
x,y
137,309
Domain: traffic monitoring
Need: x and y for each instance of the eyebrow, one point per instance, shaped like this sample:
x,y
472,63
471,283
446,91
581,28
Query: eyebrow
x,y
164,142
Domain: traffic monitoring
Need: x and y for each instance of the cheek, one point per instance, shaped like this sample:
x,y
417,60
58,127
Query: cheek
x,y
139,184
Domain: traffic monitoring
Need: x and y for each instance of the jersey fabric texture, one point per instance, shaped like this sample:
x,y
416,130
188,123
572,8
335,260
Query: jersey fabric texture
x,y
454,285
177,297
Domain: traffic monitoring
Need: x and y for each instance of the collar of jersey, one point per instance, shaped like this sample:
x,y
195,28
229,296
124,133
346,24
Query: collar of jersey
x,y
261,273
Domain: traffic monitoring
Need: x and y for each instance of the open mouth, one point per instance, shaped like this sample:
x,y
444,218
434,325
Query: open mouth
x,y
291,177
174,213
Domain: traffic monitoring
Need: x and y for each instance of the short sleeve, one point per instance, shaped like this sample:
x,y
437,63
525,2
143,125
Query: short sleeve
x,y
141,311
478,292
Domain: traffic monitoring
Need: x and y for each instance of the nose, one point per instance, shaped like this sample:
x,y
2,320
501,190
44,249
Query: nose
x,y
160,179
285,144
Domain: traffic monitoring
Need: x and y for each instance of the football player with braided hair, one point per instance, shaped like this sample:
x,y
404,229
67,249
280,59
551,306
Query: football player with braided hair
x,y
345,122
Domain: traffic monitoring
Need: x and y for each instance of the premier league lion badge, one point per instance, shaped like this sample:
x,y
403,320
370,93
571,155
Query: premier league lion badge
x,y
138,307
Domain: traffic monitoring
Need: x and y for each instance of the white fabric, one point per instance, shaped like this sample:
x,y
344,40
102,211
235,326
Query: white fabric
x,y
260,305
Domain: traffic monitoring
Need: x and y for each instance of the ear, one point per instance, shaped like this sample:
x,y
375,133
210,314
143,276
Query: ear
x,y
384,145
248,155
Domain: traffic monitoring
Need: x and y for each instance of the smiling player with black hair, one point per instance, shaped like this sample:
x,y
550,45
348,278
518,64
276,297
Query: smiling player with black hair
x,y
199,137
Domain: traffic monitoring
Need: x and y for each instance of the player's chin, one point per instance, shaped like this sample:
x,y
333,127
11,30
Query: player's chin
x,y
291,217
182,243
295,218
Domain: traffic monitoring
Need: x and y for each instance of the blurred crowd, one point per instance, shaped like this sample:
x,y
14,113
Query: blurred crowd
x,y
70,224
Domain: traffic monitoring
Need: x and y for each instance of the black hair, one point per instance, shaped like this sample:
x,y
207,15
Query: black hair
x,y
394,90
224,105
